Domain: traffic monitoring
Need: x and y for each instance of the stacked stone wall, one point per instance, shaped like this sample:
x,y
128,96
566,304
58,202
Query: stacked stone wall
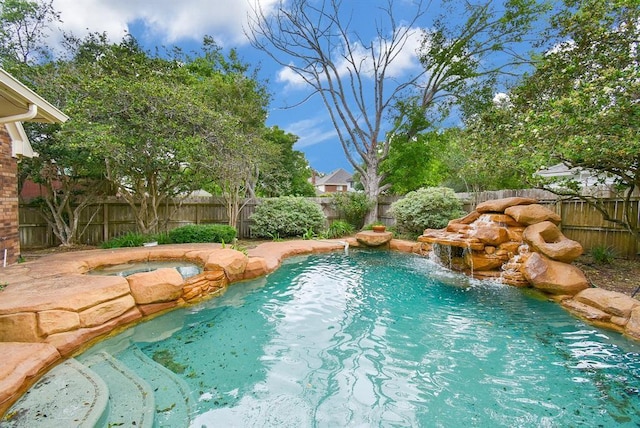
x,y
9,238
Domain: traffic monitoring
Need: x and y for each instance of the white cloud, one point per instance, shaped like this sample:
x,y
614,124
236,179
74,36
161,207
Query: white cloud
x,y
169,20
311,132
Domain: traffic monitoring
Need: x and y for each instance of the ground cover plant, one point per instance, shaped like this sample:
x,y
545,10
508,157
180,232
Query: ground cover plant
x,y
338,229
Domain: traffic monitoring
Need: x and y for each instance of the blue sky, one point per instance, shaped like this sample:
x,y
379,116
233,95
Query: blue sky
x,y
184,23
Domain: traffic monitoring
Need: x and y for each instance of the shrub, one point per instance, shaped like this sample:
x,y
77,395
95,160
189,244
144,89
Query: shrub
x,y
194,233
286,216
424,208
129,239
602,255
338,229
352,207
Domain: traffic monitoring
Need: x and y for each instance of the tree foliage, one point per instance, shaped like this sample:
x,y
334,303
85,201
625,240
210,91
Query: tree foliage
x,y
415,163
354,75
288,173
156,127
578,108
23,30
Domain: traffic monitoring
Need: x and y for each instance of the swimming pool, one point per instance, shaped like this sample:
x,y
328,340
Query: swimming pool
x,y
375,338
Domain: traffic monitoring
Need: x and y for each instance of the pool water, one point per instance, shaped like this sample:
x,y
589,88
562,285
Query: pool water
x,y
388,339
184,268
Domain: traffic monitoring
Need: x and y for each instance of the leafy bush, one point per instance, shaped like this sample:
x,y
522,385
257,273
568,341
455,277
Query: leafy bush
x,y
430,207
602,255
194,233
338,229
286,216
129,239
352,207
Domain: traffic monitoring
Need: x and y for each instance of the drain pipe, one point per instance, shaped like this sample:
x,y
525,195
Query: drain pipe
x,y
33,111
4,262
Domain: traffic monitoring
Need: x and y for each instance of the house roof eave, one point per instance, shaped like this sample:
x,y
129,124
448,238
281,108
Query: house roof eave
x,y
17,101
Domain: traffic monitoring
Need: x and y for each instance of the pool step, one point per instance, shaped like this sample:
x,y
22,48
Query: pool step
x,y
69,395
173,406
131,399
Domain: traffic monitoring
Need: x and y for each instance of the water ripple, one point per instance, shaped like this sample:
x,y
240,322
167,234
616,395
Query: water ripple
x,y
383,339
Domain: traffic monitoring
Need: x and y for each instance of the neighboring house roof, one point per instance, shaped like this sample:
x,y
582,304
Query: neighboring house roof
x,y
337,177
586,177
20,104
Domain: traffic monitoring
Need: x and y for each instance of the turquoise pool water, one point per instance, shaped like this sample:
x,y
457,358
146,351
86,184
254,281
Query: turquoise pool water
x,y
388,339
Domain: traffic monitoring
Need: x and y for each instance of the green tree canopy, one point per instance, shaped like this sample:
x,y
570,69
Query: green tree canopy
x,y
289,172
580,107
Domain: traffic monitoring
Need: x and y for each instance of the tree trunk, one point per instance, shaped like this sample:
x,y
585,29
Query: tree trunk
x,y
371,182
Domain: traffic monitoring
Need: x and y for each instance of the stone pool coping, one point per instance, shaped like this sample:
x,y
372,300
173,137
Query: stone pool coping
x,y
50,309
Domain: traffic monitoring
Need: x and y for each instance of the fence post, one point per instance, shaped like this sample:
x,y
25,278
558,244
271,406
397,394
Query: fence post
x,y
105,221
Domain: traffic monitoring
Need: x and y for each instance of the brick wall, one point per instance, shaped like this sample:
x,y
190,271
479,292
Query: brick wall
x,y
9,238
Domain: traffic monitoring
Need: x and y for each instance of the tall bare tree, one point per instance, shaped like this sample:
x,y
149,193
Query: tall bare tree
x,y
368,102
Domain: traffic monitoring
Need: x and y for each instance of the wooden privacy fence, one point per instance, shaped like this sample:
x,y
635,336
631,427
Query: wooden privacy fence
x,y
112,218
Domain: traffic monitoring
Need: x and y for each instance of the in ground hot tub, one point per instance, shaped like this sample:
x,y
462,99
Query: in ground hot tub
x,y
186,269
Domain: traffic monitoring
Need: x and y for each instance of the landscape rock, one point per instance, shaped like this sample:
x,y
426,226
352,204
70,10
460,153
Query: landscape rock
x,y
612,302
22,362
585,311
532,214
553,277
546,238
490,234
370,238
161,285
233,262
468,219
55,321
483,261
632,328
500,205
19,327
100,314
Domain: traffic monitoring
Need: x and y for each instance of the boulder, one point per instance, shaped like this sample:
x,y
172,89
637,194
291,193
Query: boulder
x,y
546,238
404,246
611,302
499,219
468,219
68,342
585,311
161,285
481,261
370,238
233,262
56,321
22,362
553,277
632,328
499,205
532,214
490,234
99,314
19,327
